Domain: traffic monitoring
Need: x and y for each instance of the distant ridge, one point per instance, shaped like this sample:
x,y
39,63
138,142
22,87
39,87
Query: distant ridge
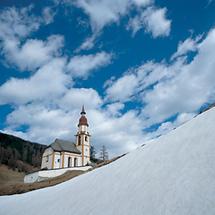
x,y
20,154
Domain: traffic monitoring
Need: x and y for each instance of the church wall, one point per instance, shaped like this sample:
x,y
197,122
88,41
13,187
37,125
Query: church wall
x,y
47,159
56,161
72,157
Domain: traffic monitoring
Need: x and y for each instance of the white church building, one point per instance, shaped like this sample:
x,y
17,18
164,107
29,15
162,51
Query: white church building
x,y
66,154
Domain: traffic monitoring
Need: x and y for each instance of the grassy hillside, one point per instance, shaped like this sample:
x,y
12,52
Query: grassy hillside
x,y
9,176
17,186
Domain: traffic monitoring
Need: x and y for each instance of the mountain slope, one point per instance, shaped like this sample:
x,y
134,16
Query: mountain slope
x,y
18,153
172,175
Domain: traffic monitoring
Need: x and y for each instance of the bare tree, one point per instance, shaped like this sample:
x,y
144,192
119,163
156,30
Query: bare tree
x,y
104,153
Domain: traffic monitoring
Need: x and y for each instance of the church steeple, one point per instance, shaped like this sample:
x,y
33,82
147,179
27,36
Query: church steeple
x,y
83,137
83,119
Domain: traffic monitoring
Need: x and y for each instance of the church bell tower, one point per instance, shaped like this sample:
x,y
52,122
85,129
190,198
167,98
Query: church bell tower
x,y
83,138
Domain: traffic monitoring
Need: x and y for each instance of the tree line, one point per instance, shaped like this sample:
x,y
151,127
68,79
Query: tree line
x,y
20,154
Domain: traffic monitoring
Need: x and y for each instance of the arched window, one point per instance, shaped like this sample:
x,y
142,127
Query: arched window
x,y
79,140
85,138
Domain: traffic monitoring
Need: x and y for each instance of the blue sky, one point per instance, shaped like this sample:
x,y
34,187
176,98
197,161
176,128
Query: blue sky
x,y
141,68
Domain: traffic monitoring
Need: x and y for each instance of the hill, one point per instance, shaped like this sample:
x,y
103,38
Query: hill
x,y
20,154
17,186
9,177
173,174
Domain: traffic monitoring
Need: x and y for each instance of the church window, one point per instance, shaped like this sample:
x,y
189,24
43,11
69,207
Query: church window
x,y
79,140
85,138
58,160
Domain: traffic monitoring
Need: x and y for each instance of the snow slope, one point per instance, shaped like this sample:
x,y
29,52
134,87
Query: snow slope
x,y
172,175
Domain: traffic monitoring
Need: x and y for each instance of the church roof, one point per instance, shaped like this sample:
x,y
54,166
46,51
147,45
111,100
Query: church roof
x,y
64,146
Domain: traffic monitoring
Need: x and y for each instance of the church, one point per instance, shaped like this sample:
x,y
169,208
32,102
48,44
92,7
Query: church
x,y
65,154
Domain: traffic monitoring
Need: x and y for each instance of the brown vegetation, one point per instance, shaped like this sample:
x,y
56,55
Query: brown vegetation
x,y
20,187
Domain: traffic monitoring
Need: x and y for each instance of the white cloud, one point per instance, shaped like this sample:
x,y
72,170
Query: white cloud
x,y
17,24
82,65
152,20
123,88
189,45
47,83
156,23
74,98
114,109
189,89
48,15
103,13
44,123
168,89
136,80
33,53
88,43
20,22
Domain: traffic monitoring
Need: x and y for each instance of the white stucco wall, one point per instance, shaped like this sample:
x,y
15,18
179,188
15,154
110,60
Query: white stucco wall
x,y
57,158
47,158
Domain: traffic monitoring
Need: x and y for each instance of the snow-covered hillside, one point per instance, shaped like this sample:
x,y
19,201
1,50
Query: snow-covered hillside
x,y
172,175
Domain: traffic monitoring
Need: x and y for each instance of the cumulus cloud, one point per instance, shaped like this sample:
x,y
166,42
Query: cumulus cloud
x,y
152,20
74,98
15,26
47,83
189,45
17,22
82,65
114,109
138,80
169,89
33,53
156,22
123,88
103,13
44,123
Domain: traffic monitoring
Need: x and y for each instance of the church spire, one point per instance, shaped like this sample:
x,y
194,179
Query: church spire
x,y
83,110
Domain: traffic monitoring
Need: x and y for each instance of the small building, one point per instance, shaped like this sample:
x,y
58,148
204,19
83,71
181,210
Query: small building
x,y
65,154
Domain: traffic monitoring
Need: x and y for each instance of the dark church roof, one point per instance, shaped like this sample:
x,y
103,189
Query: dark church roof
x,y
64,146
